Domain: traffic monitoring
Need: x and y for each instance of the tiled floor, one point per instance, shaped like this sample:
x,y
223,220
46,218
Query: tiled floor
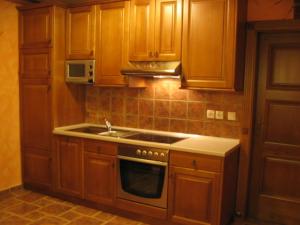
x,y
23,207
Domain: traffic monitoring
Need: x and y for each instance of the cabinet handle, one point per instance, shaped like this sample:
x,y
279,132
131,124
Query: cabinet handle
x,y
150,54
194,163
156,54
92,53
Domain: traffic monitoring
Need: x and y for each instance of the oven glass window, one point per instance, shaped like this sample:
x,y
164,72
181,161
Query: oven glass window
x,y
77,70
143,180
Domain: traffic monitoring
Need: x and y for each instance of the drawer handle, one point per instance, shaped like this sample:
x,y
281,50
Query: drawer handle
x,y
194,163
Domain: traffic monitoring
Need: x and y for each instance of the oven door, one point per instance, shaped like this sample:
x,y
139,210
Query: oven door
x,y
143,181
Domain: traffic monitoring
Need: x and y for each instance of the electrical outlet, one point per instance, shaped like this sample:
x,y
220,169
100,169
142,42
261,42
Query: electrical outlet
x,y
219,115
210,114
231,116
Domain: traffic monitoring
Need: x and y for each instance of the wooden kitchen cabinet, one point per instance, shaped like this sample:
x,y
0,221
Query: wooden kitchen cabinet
x,y
69,166
100,178
35,27
112,43
213,44
155,30
80,32
202,188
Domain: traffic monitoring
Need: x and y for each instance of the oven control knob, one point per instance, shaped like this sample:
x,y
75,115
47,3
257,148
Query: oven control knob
x,y
155,154
144,152
138,152
162,155
150,153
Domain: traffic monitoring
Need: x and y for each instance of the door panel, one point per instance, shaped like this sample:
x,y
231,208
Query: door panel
x,y
168,29
36,127
112,42
142,30
80,31
275,181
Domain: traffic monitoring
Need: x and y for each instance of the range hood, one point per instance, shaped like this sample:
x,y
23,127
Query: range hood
x,y
170,69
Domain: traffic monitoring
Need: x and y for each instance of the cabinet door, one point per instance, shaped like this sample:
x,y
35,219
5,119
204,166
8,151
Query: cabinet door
x,y
142,24
168,30
209,43
36,168
112,42
80,43
100,176
69,161
35,27
193,196
35,115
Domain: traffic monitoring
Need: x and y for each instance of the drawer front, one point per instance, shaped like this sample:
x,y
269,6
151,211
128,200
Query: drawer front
x,y
195,161
101,147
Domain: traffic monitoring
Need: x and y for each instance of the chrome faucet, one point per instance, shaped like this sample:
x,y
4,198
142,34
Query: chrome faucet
x,y
108,125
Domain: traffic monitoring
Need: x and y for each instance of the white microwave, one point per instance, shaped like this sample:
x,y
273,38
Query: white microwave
x,y
80,71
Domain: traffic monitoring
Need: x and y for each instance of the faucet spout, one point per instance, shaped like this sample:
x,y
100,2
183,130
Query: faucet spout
x,y
108,125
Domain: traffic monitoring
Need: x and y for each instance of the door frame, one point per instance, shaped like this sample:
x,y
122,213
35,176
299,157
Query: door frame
x,y
254,30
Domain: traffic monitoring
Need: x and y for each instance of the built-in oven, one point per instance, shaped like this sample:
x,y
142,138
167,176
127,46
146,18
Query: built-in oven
x,y
143,175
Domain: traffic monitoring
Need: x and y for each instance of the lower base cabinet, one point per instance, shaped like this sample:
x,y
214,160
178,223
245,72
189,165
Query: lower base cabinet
x,y
99,178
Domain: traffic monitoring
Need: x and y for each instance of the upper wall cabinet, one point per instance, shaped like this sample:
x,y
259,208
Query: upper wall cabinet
x,y
80,32
155,30
36,27
112,42
213,43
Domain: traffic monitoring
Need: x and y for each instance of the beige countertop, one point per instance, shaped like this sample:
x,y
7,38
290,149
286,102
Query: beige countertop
x,y
193,143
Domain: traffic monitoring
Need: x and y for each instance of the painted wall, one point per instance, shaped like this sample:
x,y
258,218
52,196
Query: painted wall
x,y
270,9
10,172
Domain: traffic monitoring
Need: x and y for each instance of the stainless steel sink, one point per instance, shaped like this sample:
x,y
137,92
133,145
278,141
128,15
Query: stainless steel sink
x,y
102,131
117,133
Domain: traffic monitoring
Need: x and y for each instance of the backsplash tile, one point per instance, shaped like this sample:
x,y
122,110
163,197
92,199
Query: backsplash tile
x,y
164,106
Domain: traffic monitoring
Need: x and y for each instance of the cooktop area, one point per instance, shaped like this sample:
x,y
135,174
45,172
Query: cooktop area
x,y
155,138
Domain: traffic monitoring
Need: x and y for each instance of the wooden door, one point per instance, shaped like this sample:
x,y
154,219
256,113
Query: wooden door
x,y
100,178
80,32
112,42
193,196
142,25
275,181
37,168
209,43
35,115
36,27
168,30
69,162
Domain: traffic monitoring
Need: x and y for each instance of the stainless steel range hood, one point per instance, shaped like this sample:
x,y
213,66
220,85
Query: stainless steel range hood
x,y
153,69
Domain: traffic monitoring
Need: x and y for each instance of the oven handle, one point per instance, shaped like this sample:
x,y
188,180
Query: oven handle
x,y
147,161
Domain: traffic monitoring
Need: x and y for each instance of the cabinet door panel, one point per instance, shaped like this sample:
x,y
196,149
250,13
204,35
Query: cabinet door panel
x,y
81,32
69,166
193,196
142,30
35,27
100,178
112,42
209,43
35,115
36,168
168,29
35,63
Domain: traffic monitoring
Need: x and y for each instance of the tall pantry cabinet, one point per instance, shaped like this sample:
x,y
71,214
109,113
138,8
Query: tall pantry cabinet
x,y
45,98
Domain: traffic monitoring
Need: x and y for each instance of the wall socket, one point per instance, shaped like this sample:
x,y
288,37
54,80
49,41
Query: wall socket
x,y
219,115
231,116
210,114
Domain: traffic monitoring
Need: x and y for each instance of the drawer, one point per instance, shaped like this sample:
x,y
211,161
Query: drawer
x,y
195,161
101,147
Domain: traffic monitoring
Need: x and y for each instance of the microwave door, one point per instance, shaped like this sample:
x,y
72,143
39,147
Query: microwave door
x,y
80,71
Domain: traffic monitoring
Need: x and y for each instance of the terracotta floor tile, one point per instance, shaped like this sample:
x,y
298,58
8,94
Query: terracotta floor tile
x,y
70,215
122,220
5,195
4,215
43,202
85,210
85,220
14,220
9,203
22,208
55,209
50,220
104,216
20,192
31,197
35,215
